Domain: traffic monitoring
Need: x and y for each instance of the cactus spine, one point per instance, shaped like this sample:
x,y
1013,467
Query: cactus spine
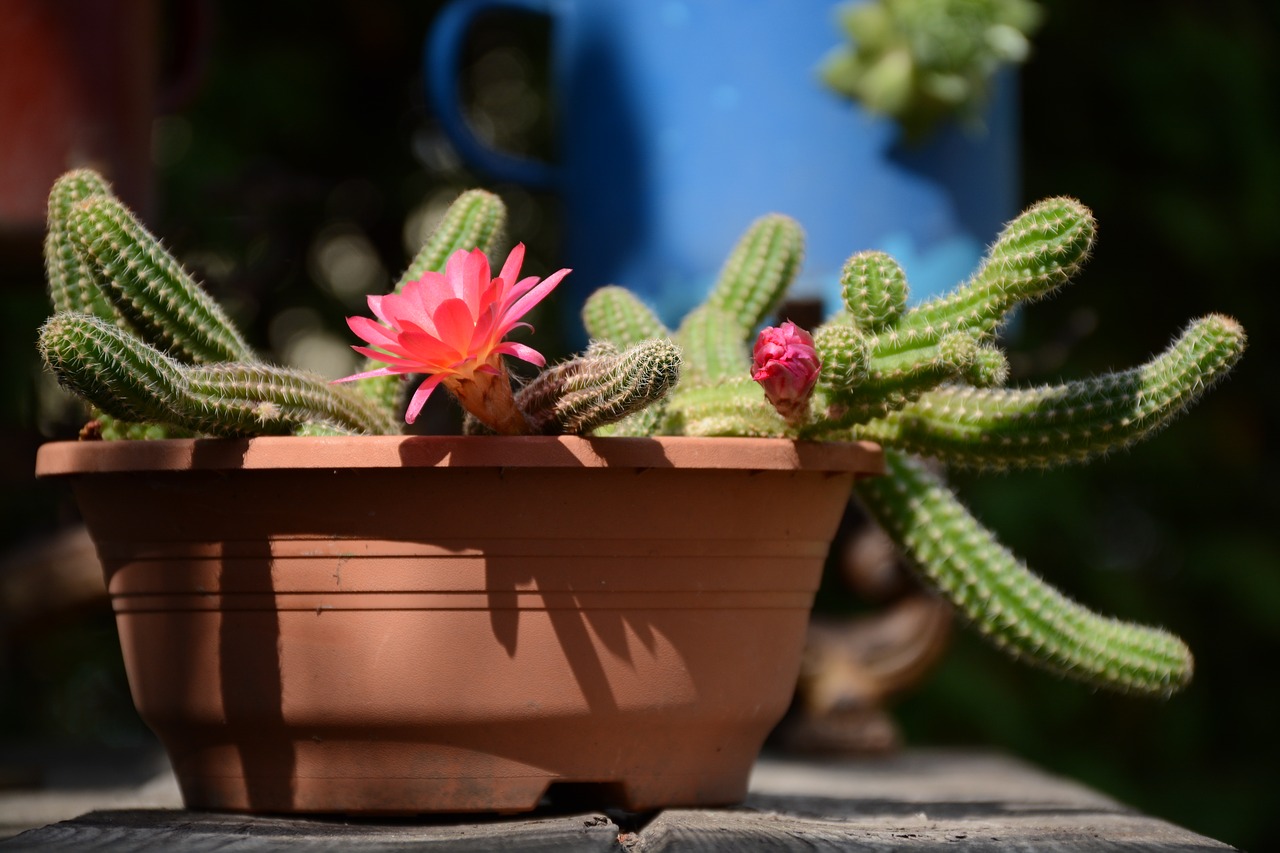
x,y
1015,609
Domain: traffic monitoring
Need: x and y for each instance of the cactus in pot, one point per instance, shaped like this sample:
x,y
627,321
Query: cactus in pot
x,y
140,340
928,383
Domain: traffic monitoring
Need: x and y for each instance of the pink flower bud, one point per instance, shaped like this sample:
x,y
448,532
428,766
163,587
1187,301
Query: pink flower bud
x,y
786,365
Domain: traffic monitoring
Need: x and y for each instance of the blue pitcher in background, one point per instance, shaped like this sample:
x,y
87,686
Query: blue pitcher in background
x,y
681,121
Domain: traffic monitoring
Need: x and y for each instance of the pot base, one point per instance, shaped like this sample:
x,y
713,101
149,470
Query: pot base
x,y
408,779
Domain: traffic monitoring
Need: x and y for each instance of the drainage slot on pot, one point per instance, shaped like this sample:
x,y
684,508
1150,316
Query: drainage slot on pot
x,y
583,796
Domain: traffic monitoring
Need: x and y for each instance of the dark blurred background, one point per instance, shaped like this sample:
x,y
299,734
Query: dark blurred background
x,y
294,166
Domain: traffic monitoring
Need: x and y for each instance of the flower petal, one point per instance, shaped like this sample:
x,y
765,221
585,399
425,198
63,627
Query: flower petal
x,y
522,352
455,275
381,371
400,308
428,349
405,365
419,398
455,324
525,303
511,269
371,332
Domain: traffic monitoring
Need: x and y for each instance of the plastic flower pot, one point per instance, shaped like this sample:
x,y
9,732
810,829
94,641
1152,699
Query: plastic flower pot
x,y
385,625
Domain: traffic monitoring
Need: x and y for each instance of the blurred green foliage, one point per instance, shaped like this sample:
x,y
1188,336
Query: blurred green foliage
x,y
307,147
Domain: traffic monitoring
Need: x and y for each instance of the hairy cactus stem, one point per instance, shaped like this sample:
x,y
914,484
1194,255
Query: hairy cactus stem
x,y
149,288
1018,611
68,270
617,315
874,290
1034,255
715,347
758,272
600,387
1072,422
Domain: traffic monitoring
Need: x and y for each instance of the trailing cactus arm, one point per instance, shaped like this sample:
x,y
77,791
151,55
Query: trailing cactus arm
x,y
758,271
600,387
132,381
150,289
68,269
1014,608
475,219
617,315
293,397
1034,255
110,368
1073,422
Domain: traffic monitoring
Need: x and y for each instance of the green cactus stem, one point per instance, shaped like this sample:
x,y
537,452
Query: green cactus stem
x,y
107,428
617,315
109,367
475,219
150,289
874,290
1034,255
758,272
846,357
989,368
132,381
69,273
750,285
878,359
1015,609
734,407
864,385
600,387
999,428
718,345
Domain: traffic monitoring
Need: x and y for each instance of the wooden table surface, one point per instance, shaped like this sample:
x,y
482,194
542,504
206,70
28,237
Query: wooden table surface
x,y
915,800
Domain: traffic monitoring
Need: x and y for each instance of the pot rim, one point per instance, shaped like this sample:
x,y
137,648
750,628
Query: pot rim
x,y
70,458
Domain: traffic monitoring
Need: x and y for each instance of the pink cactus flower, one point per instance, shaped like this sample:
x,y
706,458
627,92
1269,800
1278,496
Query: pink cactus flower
x,y
786,364
450,326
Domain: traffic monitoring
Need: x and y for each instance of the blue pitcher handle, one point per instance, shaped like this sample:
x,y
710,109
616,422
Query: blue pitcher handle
x,y
440,63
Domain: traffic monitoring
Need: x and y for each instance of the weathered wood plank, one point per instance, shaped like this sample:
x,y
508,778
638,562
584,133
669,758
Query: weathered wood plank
x,y
916,800
178,831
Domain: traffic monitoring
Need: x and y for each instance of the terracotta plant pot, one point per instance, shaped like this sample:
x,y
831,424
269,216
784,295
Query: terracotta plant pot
x,y
444,624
